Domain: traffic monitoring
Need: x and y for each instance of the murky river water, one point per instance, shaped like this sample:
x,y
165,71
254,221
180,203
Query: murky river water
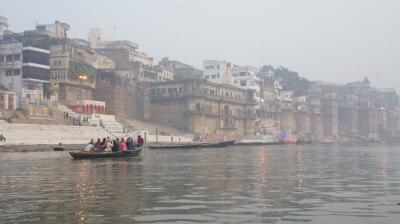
x,y
286,184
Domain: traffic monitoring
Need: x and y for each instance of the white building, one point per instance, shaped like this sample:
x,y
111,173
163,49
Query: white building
x,y
3,25
286,95
219,72
58,29
245,77
97,35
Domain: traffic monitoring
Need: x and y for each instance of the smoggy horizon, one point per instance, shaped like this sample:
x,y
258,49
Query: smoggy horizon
x,y
341,41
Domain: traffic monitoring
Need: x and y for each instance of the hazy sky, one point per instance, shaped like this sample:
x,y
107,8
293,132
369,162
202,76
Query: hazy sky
x,y
333,40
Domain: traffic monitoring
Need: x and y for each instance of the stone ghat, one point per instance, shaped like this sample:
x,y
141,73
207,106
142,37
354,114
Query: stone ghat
x,y
38,147
37,134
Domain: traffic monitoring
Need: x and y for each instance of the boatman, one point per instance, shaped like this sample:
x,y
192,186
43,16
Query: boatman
x,y
140,140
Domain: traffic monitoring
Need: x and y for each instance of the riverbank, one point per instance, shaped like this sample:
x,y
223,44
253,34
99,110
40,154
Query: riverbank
x,y
38,147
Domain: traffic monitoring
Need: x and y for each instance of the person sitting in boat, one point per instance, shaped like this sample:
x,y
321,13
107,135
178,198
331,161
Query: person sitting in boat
x,y
123,144
140,141
129,143
103,144
89,147
97,146
109,145
117,146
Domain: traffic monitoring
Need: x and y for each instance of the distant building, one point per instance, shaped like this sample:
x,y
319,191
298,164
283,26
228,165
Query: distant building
x,y
123,52
219,72
181,70
202,107
69,60
58,29
245,77
24,70
3,25
96,36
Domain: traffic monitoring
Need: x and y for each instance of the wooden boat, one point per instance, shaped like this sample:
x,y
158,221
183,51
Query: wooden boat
x,y
303,142
251,143
58,149
97,155
193,145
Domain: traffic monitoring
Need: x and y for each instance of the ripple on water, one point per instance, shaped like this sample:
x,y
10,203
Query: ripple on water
x,y
234,185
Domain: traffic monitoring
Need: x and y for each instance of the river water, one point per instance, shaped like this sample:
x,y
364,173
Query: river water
x,y
271,184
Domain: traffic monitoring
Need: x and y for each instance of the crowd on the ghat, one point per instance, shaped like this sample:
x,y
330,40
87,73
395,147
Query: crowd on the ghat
x,y
110,144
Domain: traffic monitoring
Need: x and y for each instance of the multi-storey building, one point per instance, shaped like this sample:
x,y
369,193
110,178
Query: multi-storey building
x,y
180,70
219,72
203,107
96,36
71,59
24,70
245,77
123,52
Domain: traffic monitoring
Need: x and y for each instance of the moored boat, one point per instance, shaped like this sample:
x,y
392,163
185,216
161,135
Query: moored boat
x,y
250,143
97,155
193,145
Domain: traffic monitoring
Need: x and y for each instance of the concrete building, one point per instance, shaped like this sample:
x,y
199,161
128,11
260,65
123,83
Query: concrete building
x,y
71,59
8,100
3,25
181,70
164,74
96,36
24,70
219,72
58,29
202,107
123,52
245,77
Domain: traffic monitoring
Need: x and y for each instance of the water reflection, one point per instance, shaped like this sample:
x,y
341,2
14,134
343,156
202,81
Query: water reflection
x,y
274,184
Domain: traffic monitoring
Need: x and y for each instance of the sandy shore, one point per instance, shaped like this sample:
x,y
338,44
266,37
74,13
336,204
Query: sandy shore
x,y
38,148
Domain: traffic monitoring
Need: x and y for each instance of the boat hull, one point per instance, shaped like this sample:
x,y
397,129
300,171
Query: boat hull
x,y
193,146
102,155
257,143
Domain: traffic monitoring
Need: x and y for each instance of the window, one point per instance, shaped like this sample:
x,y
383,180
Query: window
x,y
17,72
243,82
1,59
17,57
9,58
235,74
207,76
242,73
210,67
213,76
217,66
217,75
30,86
9,73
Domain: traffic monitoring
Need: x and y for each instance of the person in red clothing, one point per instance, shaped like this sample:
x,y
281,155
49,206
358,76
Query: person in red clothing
x,y
140,141
123,145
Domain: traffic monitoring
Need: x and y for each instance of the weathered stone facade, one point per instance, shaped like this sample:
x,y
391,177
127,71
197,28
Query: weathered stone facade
x,y
202,107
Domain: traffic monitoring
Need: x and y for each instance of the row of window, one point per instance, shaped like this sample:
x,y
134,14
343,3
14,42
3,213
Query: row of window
x,y
216,76
212,67
59,75
241,74
15,72
56,63
10,58
242,82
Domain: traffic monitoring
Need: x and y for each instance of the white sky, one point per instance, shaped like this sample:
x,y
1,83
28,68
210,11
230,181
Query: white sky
x,y
332,40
